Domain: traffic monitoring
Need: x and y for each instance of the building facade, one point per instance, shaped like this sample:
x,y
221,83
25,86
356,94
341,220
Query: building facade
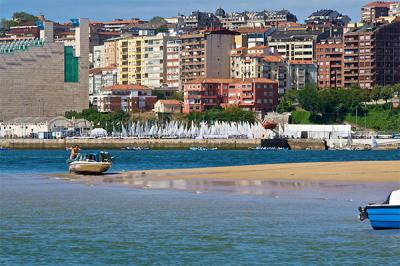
x,y
294,44
329,55
173,66
43,78
206,54
258,94
374,10
301,73
100,78
142,60
372,55
129,98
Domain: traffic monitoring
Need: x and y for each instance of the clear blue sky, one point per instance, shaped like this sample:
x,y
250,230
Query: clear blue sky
x,y
101,10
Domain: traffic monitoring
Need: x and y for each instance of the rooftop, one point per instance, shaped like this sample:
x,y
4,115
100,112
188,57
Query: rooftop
x,y
170,102
378,4
125,87
273,58
231,81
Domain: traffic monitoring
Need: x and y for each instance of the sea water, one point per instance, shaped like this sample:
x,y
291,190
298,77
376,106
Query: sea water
x,y
50,221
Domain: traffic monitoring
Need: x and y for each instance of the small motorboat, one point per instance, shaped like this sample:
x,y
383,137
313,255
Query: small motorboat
x,y
135,148
203,149
385,215
90,163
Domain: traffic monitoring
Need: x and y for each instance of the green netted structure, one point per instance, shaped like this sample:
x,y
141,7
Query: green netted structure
x,y
9,47
71,65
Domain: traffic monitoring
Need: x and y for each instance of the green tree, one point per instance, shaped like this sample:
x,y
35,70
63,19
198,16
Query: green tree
x,y
387,93
309,99
376,93
17,19
157,19
162,28
177,95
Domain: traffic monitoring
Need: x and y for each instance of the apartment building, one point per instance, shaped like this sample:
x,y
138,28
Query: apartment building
x,y
173,67
206,54
142,60
372,55
248,62
256,94
275,68
200,20
249,37
295,44
329,56
110,51
98,57
129,98
374,10
100,78
301,73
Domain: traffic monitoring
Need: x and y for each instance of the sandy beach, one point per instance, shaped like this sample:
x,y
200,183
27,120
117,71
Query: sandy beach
x,y
340,172
365,171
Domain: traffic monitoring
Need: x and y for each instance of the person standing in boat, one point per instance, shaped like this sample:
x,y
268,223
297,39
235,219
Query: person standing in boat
x,y
74,152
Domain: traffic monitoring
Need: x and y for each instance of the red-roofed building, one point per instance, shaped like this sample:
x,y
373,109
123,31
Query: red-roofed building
x,y
374,10
258,62
255,94
168,106
129,98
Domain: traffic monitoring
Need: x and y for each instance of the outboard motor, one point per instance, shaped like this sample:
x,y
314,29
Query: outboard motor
x,y
363,214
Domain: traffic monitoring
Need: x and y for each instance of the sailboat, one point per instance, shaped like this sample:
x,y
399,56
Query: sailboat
x,y
374,143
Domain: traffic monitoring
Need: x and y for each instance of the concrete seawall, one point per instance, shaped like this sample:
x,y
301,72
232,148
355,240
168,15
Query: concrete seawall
x,y
121,143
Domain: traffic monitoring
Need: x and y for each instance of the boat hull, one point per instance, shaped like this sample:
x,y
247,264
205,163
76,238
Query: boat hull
x,y
89,167
384,216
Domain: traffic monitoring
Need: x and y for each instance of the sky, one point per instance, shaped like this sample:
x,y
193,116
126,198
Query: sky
x,y
105,10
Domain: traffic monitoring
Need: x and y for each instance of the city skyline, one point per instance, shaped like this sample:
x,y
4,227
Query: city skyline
x,y
103,10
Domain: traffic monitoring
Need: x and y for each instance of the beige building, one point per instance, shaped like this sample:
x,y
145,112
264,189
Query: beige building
x,y
110,52
206,54
142,60
168,106
43,78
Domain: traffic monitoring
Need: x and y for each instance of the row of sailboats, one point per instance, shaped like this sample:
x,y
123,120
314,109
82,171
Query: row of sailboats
x,y
176,129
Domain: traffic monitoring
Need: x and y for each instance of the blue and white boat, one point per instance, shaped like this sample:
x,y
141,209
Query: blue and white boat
x,y
385,215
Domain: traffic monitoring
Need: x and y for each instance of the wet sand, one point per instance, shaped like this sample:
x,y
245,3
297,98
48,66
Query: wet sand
x,y
366,171
322,180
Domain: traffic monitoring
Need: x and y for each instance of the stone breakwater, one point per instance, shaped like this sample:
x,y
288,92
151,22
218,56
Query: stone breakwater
x,y
160,143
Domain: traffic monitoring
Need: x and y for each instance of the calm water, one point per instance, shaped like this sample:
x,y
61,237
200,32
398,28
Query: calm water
x,y
45,221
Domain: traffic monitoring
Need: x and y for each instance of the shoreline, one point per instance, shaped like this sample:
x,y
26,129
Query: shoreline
x,y
355,171
339,172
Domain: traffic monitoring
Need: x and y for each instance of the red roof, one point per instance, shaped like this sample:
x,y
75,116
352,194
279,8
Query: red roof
x,y
301,62
231,81
379,4
258,47
170,102
126,87
100,69
273,58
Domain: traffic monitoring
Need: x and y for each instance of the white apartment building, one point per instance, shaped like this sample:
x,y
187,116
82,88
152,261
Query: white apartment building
x,y
100,78
294,45
98,56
